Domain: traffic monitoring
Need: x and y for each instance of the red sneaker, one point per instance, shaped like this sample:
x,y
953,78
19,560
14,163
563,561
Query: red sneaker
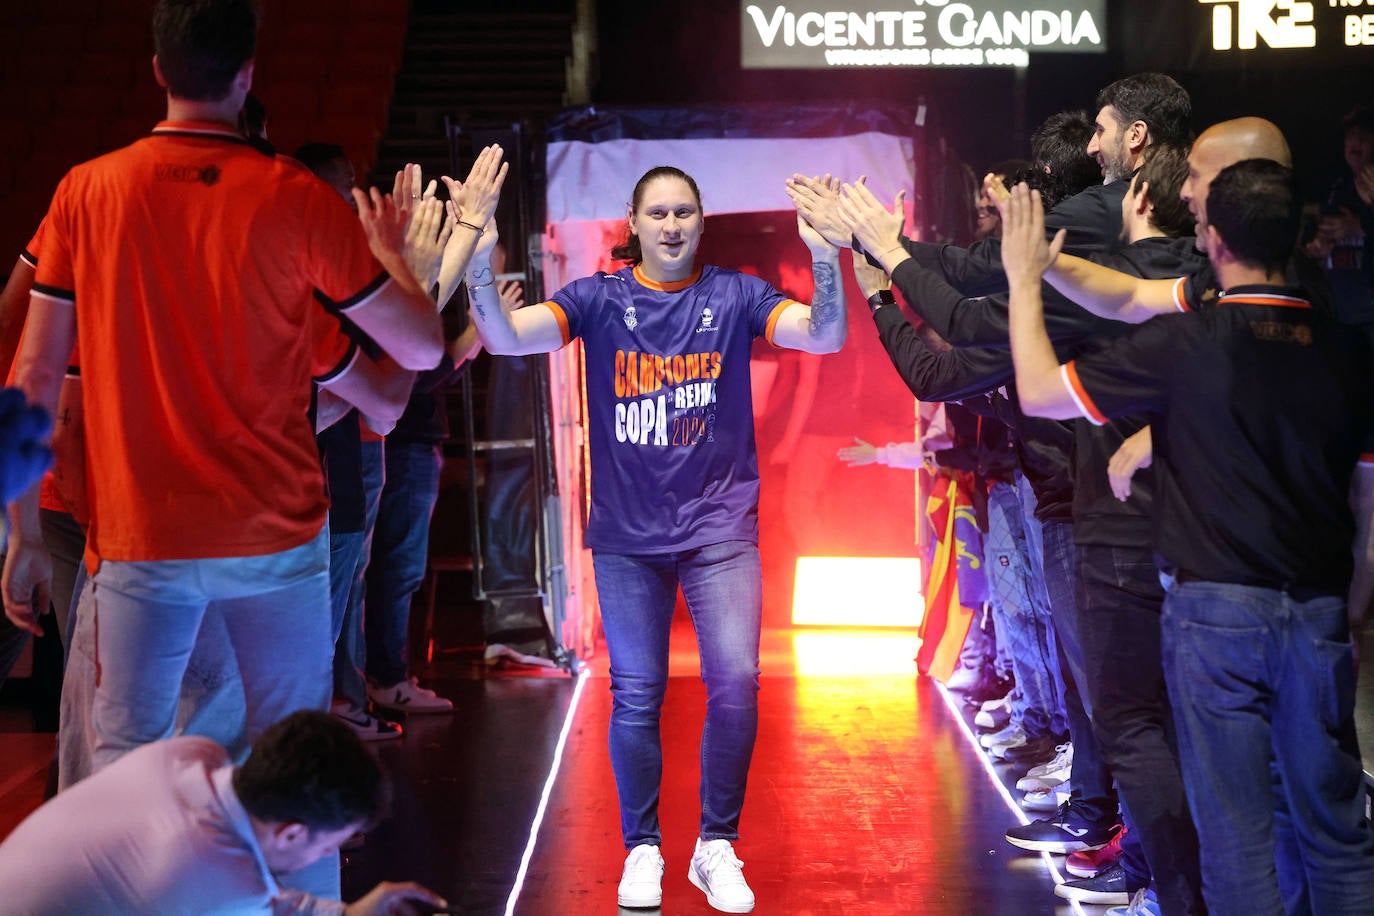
x,y
1089,862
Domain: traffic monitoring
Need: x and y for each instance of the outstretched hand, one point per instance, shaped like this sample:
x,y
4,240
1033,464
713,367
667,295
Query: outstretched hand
x,y
408,189
383,222
425,240
817,202
476,198
868,220
1025,253
859,454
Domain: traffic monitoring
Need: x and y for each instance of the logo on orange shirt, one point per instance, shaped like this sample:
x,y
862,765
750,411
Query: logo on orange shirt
x,y
207,175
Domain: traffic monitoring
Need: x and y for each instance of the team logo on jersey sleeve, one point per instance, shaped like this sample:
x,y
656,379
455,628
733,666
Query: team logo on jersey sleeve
x,y
631,320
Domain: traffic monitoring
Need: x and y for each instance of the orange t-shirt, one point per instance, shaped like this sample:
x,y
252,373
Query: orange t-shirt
x,y
193,261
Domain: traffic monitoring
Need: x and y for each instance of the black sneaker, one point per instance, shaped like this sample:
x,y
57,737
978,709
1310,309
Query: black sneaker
x,y
1063,832
1107,887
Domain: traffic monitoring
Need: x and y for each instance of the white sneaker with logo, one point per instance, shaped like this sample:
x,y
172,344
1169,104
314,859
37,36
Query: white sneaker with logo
x,y
408,696
641,883
718,874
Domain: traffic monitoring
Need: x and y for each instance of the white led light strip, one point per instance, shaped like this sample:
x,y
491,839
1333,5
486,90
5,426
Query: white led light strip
x,y
953,703
544,798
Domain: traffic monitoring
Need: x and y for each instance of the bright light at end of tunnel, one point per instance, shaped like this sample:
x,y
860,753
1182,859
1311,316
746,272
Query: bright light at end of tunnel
x,y
858,592
855,653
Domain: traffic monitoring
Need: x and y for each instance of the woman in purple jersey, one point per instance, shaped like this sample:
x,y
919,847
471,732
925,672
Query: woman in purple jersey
x,y
674,494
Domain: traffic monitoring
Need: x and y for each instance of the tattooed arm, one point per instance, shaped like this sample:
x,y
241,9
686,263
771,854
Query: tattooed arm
x,y
504,331
820,327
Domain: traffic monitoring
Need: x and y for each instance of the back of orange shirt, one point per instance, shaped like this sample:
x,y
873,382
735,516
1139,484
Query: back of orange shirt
x,y
192,260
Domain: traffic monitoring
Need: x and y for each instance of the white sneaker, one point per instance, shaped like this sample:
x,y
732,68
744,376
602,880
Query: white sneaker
x,y
1042,783
991,712
408,696
1012,734
363,723
641,883
717,873
1062,761
1045,799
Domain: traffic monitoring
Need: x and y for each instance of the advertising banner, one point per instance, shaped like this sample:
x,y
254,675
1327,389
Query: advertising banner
x,y
822,34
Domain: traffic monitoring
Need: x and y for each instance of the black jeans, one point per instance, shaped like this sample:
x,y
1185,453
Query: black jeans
x,y
1119,605
1090,783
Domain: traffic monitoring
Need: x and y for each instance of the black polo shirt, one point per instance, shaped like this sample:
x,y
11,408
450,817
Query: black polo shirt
x,y
1098,516
1266,407
1200,289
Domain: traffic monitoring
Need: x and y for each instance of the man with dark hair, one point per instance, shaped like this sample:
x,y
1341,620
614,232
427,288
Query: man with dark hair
x,y
1160,179
1059,147
207,502
1134,112
173,827
1264,438
201,45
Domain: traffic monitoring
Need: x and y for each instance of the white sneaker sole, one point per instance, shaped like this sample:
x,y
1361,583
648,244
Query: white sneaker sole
x,y
639,903
717,904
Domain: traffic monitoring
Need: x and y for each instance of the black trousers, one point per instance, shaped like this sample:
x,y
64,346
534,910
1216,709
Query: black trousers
x,y
1119,604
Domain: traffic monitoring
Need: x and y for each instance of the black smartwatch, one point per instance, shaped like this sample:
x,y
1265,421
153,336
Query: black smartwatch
x,y
879,299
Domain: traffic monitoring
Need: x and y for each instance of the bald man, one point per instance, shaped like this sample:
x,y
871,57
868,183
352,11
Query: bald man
x,y
1123,297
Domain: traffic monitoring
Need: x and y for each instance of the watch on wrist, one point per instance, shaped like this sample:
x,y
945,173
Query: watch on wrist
x,y
879,299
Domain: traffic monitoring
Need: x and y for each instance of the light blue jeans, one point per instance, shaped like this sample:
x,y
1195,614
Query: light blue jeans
x,y
1263,693
723,585
146,615
1022,614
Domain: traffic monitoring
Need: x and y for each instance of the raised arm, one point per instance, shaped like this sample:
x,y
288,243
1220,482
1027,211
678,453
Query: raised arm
x,y
1025,254
820,327
1109,293
506,331
471,207
926,363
